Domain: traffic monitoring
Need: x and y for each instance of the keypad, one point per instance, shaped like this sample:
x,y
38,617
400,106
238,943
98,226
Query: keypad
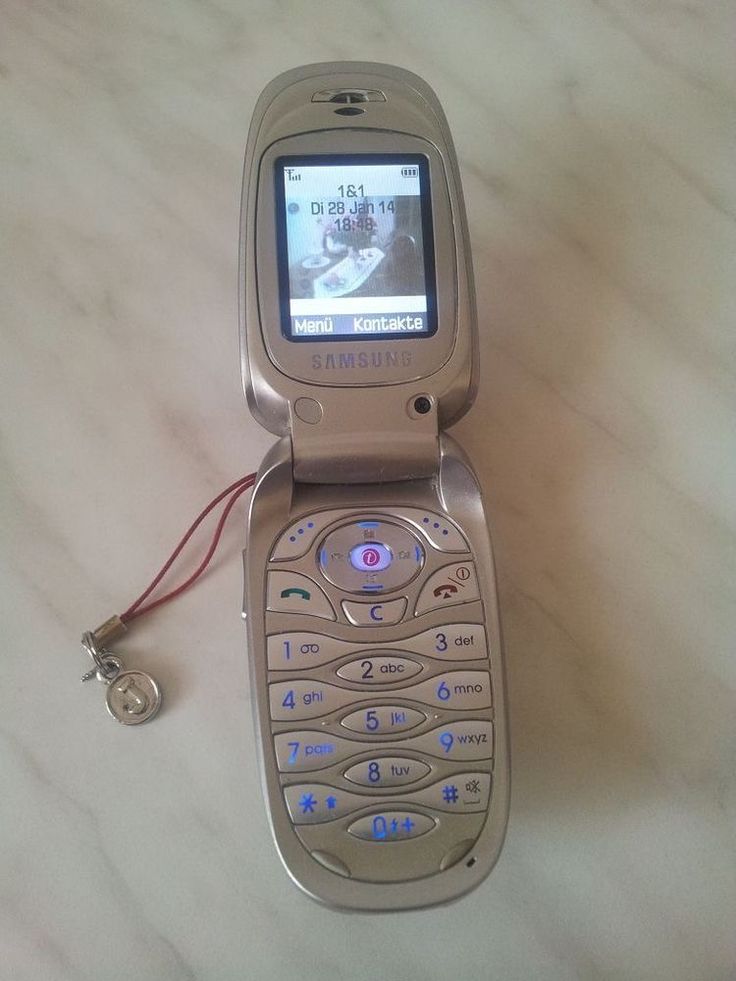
x,y
381,712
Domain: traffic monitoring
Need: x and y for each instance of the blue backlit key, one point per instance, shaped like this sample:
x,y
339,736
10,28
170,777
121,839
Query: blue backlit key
x,y
382,719
391,826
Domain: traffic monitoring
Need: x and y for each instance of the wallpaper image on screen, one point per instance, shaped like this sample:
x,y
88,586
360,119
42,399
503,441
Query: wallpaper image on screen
x,y
356,249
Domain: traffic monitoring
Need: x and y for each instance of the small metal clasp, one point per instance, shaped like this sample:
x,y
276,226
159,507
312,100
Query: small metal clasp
x,y
107,666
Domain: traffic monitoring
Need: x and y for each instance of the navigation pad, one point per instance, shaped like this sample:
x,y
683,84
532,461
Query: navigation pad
x,y
371,556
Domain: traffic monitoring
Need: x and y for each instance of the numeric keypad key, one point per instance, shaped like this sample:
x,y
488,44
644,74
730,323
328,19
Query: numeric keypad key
x,y
453,690
306,699
387,771
381,720
379,670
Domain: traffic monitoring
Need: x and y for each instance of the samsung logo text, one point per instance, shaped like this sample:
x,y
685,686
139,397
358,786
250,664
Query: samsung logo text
x,y
363,359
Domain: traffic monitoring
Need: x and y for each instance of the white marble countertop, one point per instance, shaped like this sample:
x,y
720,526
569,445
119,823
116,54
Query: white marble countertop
x,y
596,142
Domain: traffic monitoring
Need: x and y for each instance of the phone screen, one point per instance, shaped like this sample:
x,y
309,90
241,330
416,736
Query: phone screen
x,y
355,247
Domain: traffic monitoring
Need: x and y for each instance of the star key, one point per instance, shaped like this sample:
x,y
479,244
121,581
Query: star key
x,y
307,802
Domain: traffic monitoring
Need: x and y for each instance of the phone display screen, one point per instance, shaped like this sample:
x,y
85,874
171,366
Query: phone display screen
x,y
355,247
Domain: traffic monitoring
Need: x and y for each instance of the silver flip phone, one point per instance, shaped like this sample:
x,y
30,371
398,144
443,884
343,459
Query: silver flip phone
x,y
373,634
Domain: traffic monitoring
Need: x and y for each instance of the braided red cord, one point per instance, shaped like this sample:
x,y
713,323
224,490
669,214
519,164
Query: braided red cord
x,y
235,489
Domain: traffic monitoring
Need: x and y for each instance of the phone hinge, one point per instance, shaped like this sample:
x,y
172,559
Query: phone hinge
x,y
352,438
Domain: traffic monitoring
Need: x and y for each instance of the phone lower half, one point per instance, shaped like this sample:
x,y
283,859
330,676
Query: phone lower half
x,y
377,679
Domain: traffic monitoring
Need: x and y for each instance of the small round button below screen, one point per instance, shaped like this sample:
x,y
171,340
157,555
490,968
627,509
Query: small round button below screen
x,y
370,557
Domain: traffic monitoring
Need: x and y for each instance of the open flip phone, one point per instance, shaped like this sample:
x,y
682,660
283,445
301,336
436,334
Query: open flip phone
x,y
373,632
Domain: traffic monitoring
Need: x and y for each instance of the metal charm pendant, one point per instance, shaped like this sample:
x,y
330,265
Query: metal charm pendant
x,y
133,697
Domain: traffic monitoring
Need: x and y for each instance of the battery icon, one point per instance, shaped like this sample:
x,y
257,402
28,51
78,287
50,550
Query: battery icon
x,y
409,171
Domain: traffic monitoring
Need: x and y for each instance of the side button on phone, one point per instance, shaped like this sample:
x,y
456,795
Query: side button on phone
x,y
290,592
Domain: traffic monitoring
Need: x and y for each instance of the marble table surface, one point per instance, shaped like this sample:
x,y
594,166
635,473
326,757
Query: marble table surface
x,y
596,141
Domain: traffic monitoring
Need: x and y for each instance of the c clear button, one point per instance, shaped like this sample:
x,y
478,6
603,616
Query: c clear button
x,y
374,614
